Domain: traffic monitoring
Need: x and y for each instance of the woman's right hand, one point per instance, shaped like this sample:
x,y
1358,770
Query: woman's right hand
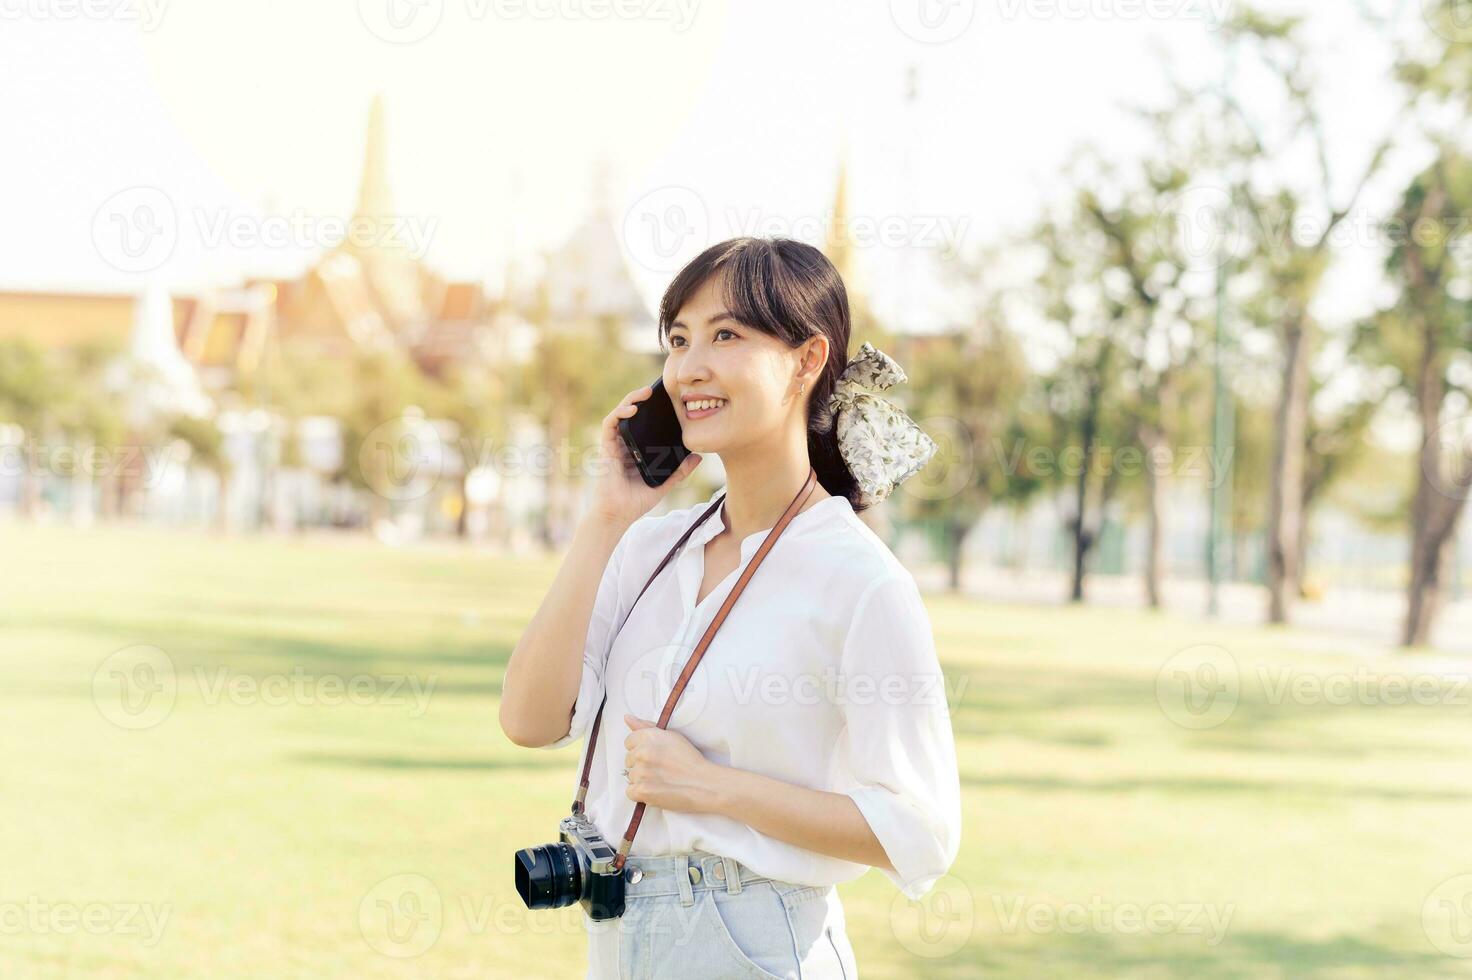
x,y
621,494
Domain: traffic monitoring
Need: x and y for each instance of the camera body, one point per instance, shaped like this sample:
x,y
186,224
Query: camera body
x,y
579,867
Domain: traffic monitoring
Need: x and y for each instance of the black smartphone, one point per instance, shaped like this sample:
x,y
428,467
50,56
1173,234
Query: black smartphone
x,y
654,437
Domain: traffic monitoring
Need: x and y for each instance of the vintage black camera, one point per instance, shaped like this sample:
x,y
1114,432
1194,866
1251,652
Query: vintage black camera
x,y
577,868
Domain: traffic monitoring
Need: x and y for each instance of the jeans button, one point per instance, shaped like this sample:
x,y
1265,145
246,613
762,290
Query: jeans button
x,y
720,872
694,875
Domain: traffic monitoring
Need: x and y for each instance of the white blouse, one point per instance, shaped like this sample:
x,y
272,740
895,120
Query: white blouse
x,y
824,674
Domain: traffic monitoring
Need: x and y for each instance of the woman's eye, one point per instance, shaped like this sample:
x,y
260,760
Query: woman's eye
x,y
673,339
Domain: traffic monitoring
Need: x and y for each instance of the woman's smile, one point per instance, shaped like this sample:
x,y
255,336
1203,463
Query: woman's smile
x,y
702,409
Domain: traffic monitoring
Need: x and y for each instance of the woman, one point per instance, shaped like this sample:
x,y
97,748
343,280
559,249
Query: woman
x,y
813,740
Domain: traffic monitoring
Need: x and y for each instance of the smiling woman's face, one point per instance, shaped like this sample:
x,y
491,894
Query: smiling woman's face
x,y
750,375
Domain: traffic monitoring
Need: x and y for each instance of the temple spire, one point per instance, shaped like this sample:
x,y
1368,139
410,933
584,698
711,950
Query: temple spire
x,y
375,200
839,246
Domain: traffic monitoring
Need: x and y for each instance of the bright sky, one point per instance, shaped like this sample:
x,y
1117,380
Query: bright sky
x,y
204,118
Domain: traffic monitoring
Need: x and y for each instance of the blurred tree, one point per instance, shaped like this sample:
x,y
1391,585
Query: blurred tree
x,y
1337,439
1292,266
1161,324
27,387
579,371
1439,68
90,413
292,383
1425,337
1085,326
381,415
1252,457
965,389
207,450
477,400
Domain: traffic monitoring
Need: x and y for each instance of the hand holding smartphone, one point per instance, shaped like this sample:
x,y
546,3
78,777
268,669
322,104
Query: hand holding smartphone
x,y
643,447
654,437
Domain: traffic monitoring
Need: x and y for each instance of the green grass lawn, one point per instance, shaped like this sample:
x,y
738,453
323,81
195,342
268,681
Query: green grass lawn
x,y
267,820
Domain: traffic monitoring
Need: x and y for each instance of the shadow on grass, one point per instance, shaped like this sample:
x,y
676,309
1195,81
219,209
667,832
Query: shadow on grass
x,y
1242,954
997,701
436,764
201,644
1190,787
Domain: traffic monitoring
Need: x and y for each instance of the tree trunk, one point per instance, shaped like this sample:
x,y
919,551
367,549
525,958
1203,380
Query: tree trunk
x,y
1300,576
1286,497
462,521
1429,575
553,483
956,533
1083,539
1436,509
30,480
222,502
1151,438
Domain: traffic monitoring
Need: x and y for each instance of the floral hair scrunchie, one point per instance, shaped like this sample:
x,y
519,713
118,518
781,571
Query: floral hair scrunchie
x,y
882,446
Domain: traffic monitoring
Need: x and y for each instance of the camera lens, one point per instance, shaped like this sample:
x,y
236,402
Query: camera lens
x,y
548,877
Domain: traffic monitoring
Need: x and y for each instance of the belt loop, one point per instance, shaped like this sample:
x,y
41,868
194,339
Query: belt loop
x,y
682,878
733,875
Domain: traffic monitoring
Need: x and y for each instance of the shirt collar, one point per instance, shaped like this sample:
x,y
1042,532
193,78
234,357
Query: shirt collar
x,y
713,524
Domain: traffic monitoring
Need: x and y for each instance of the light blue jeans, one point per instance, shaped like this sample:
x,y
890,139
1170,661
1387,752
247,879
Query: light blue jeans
x,y
707,916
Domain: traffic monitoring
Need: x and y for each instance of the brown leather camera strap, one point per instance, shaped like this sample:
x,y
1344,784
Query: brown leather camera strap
x,y
669,705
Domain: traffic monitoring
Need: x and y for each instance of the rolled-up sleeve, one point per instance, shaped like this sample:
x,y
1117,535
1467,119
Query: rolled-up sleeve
x,y
608,610
902,751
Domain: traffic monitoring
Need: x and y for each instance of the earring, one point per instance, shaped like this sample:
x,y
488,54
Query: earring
x,y
802,387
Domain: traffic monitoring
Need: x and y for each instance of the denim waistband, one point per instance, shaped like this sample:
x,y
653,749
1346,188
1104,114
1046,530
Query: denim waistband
x,y
684,874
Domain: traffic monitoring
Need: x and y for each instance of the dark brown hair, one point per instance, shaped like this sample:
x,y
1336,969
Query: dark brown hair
x,y
791,291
